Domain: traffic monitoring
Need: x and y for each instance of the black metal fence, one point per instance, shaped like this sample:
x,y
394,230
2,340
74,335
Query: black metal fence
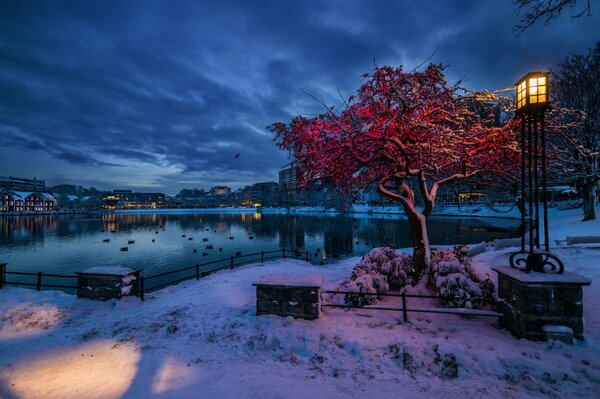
x,y
204,269
41,280
38,280
405,309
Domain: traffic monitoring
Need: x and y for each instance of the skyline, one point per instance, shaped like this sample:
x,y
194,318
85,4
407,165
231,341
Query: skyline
x,y
158,96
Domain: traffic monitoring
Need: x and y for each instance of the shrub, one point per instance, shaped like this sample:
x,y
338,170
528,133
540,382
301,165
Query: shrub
x,y
452,278
380,270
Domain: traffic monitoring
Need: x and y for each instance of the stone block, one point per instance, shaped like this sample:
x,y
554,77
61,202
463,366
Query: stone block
x,y
108,283
298,301
529,301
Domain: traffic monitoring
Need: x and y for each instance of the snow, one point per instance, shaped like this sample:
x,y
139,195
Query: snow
x,y
470,210
557,329
203,339
112,270
566,277
306,281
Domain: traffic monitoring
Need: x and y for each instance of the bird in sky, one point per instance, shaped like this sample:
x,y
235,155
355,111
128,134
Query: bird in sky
x,y
236,156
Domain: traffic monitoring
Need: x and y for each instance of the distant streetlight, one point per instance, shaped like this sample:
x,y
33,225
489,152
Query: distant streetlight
x,y
533,99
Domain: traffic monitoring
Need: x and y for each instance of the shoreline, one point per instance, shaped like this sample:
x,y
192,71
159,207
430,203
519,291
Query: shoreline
x,y
356,210
359,211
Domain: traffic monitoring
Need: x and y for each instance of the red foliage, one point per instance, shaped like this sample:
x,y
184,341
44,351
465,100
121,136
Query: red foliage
x,y
401,125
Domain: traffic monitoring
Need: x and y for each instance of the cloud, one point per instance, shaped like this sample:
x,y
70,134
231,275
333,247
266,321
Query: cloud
x,y
164,94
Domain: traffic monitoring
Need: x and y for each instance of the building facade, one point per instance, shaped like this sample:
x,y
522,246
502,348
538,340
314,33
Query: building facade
x,y
128,199
25,195
264,194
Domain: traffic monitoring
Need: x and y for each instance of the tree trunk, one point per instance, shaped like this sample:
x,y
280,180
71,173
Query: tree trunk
x,y
588,193
421,250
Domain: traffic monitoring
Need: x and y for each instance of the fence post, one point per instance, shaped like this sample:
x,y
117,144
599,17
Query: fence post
x,y
38,285
262,256
2,274
141,288
283,252
404,311
231,266
197,271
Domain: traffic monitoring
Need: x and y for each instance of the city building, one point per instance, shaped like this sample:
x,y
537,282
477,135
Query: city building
x,y
288,178
264,194
25,195
220,190
127,199
11,183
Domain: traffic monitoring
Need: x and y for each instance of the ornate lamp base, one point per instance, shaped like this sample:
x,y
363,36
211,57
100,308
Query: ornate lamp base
x,y
538,261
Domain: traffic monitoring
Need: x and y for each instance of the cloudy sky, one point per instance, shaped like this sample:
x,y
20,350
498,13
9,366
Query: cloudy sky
x,y
160,95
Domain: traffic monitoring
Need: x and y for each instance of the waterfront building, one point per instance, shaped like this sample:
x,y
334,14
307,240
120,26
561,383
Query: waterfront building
x,y
25,201
264,194
128,199
19,194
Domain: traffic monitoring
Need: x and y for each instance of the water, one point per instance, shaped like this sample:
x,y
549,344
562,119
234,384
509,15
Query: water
x,y
65,244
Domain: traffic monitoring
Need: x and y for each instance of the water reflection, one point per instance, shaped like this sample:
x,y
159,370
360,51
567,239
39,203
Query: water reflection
x,y
69,243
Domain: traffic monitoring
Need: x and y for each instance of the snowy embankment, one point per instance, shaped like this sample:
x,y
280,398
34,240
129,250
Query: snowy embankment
x,y
203,339
474,210
478,210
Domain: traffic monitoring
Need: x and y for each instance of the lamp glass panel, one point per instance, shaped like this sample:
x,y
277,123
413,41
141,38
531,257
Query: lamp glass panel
x,y
532,82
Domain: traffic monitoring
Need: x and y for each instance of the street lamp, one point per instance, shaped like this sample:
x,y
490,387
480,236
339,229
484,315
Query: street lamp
x,y
533,99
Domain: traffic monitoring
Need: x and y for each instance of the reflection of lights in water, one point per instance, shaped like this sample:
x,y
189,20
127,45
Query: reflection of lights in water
x,y
257,216
172,375
102,369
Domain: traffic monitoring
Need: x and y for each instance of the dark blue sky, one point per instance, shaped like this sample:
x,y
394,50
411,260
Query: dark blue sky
x,y
160,95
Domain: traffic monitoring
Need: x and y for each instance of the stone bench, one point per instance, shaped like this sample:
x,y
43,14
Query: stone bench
x,y
579,240
108,282
289,296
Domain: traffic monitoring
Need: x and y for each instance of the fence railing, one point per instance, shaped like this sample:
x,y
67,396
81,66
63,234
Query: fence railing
x,y
38,277
198,270
405,309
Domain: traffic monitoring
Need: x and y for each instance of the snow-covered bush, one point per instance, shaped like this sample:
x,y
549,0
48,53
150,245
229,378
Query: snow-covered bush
x,y
453,279
380,270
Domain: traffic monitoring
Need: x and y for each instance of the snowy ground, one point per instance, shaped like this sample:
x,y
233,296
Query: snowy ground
x,y
202,339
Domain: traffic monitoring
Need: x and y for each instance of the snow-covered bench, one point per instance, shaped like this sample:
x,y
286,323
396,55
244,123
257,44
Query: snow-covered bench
x,y
579,240
476,249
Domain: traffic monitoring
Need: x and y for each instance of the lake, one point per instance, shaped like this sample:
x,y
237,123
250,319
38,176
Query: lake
x,y
66,244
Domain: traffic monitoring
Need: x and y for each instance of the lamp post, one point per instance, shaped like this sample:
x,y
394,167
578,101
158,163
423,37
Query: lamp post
x,y
532,102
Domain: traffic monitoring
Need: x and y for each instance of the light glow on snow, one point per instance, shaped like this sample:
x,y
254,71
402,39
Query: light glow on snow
x,y
76,373
172,375
25,320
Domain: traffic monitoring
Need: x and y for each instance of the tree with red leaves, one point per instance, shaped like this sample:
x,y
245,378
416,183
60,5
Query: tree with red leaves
x,y
402,126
